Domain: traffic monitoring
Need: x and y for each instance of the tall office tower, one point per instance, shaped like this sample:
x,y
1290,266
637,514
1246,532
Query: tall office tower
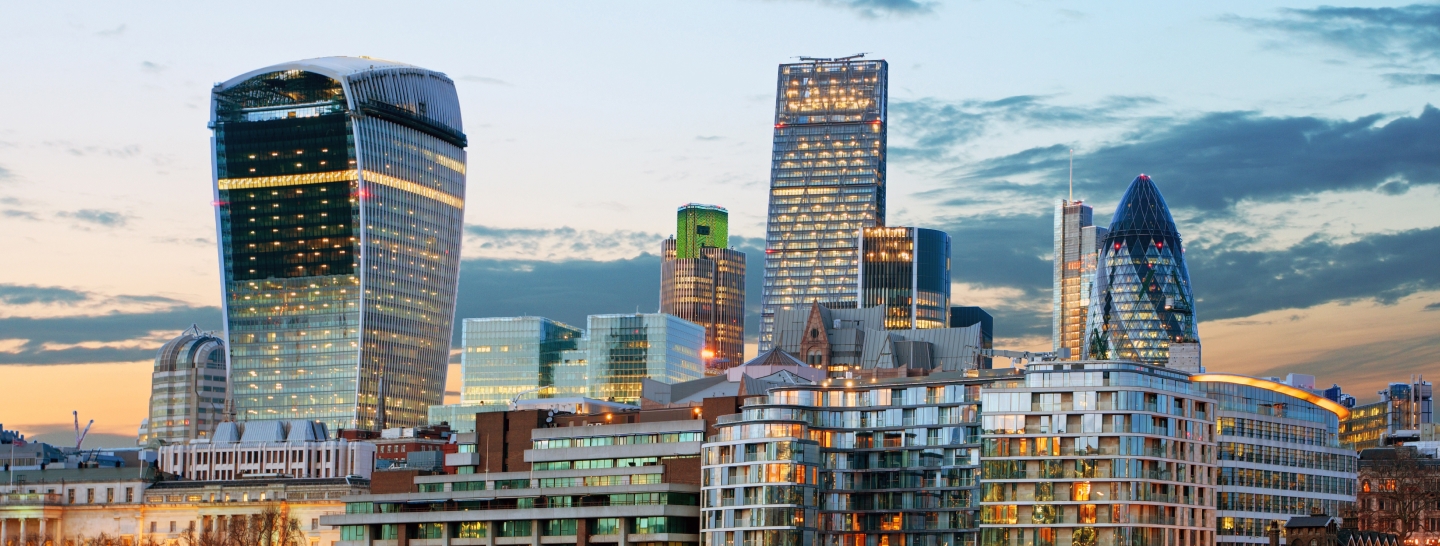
x,y
339,193
961,317
1142,287
507,356
907,271
827,182
188,389
626,348
1076,250
1279,455
703,281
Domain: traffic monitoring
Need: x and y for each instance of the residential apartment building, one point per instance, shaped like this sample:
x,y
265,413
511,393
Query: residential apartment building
x,y
847,463
1097,452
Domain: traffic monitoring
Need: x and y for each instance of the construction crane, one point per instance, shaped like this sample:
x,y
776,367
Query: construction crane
x,y
79,434
1018,359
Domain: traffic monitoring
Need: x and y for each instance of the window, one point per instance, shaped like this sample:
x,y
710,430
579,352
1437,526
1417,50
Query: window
x,y
427,530
514,529
512,484
314,524
129,494
71,497
109,495
559,528
467,486
607,526
90,496
352,532
153,525
172,526
431,487
471,529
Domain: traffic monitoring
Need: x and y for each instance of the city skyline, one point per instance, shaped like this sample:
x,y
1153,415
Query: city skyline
x,y
1322,240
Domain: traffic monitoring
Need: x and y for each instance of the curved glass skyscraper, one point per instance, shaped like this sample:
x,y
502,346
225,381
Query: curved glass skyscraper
x,y
1142,299
907,271
339,193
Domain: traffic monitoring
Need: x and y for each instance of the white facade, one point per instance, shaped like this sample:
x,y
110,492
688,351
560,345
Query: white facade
x,y
293,449
189,389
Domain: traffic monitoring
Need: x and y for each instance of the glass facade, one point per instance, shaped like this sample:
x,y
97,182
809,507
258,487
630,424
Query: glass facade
x,y
1097,453
503,357
700,226
906,271
1402,406
1077,247
622,349
1142,301
339,198
189,390
848,465
827,182
703,281
1279,456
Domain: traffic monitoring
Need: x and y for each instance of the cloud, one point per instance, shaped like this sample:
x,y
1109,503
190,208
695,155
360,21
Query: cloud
x,y
1406,34
1384,267
112,32
932,129
152,68
557,244
485,80
709,138
873,9
1211,162
104,218
19,214
1401,80
1433,306
14,294
111,337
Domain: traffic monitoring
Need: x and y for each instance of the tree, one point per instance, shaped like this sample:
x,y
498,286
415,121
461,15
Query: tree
x,y
1397,485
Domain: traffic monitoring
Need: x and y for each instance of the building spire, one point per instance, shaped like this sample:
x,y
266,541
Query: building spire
x,y
1072,175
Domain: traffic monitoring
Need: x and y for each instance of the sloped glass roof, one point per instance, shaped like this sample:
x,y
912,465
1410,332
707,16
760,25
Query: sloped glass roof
x,y
1142,210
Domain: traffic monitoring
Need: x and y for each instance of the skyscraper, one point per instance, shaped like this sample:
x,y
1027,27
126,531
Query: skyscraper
x,y
703,281
506,356
189,389
827,182
1076,249
1142,299
907,271
339,194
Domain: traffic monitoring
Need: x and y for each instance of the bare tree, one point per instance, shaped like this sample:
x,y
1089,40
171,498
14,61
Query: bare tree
x,y
1397,485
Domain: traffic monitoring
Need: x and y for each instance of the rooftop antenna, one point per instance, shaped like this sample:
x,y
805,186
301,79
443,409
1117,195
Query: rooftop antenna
x,y
1072,175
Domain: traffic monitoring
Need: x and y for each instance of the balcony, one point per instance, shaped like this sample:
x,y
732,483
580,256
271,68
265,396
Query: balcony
x,y
29,499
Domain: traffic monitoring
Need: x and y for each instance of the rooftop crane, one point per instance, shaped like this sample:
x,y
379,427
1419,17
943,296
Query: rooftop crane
x,y
80,435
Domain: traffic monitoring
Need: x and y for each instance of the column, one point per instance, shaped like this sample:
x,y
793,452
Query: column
x,y
4,523
43,521
625,532
445,532
21,539
490,531
535,532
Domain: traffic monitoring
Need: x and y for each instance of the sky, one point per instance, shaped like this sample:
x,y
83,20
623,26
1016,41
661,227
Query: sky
x,y
1295,143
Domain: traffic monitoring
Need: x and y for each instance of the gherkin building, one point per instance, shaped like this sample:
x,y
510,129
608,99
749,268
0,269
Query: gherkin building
x,y
1142,300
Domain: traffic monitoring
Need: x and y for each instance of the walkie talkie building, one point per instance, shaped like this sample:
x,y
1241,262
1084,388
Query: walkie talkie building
x,y
827,182
339,201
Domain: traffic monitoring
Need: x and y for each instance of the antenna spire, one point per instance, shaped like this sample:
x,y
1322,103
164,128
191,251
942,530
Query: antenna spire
x,y
1072,174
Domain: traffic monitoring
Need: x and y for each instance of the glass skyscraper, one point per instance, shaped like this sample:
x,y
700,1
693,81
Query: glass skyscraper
x,y
622,349
1142,300
907,271
503,357
339,194
1077,247
827,182
703,281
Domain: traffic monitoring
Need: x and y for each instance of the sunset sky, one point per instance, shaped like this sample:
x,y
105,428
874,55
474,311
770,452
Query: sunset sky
x,y
1295,143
